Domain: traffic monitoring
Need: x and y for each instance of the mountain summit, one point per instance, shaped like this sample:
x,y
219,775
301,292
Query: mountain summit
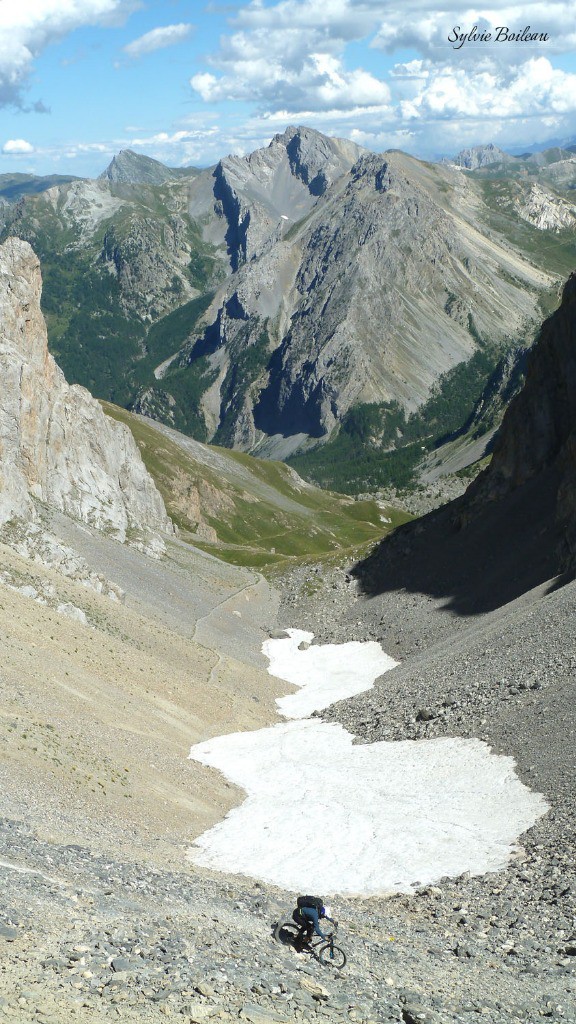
x,y
131,168
481,156
259,196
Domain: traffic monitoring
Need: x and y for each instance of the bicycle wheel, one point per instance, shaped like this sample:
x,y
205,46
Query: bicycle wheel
x,y
332,956
286,931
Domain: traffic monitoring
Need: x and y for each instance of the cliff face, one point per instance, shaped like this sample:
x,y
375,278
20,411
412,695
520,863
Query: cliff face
x,y
56,444
538,432
514,529
542,418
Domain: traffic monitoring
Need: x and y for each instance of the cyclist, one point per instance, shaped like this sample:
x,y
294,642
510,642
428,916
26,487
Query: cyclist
x,y
308,911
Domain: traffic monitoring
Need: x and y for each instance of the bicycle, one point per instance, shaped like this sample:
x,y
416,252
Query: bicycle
x,y
324,949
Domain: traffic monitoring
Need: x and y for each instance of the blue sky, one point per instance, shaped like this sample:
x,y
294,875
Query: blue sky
x,y
187,82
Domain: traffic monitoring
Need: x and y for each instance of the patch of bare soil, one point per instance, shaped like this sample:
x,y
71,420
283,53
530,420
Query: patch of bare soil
x,y
101,700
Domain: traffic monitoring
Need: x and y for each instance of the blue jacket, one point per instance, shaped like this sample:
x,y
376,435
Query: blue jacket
x,y
311,914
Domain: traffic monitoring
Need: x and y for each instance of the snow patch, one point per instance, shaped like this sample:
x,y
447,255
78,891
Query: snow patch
x,y
324,813
325,673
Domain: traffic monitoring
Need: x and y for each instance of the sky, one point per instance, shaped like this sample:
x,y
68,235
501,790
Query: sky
x,y
188,81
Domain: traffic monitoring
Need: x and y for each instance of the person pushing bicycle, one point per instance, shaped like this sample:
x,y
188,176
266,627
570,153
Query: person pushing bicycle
x,y
309,910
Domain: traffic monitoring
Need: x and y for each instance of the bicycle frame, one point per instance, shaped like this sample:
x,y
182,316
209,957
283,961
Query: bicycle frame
x,y
323,948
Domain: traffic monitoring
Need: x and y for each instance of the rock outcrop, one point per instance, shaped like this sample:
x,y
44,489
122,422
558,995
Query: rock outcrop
x,y
56,445
537,439
545,211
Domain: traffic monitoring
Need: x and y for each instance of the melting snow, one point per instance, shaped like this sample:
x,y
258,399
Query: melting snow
x,y
324,813
325,673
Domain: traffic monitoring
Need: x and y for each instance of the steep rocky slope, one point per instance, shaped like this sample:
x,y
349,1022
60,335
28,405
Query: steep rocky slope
x,y
513,528
537,439
58,448
385,285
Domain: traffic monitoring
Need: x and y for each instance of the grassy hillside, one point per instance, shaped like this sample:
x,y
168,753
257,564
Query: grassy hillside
x,y
249,511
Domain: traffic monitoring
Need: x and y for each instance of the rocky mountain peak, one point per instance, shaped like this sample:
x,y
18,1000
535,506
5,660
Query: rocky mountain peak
x,y
276,184
57,445
131,168
481,156
315,158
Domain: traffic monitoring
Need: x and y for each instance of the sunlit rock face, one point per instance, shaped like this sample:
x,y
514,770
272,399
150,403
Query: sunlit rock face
x,y
56,444
366,290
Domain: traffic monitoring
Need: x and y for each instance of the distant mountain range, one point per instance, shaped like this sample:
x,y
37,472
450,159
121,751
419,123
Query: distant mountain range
x,y
311,300
554,165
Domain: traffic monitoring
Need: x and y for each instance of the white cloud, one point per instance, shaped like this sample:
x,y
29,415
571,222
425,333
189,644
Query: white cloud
x,y
27,28
333,21
291,61
157,39
418,27
530,90
318,81
172,138
17,146
197,146
289,57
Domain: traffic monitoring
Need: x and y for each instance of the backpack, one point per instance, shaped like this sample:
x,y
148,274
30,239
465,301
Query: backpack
x,y
311,901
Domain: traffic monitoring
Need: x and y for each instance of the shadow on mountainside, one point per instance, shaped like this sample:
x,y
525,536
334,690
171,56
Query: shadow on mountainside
x,y
506,548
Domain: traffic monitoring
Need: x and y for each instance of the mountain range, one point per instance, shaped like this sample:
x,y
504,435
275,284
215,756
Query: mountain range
x,y
311,300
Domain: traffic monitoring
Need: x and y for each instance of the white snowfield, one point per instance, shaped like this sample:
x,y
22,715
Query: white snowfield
x,y
325,673
324,813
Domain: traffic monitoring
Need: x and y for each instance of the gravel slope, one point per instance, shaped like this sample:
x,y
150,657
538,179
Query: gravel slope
x,y
505,673
101,917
